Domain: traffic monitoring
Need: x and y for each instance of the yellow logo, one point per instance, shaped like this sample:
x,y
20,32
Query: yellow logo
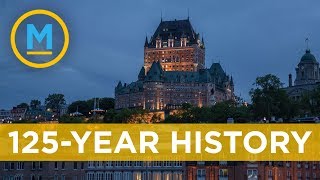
x,y
46,32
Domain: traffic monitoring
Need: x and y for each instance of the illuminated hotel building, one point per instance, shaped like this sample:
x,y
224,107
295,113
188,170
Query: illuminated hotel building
x,y
174,72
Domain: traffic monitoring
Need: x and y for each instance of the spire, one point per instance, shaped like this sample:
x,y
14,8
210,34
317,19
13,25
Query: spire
x,y
188,14
146,42
307,45
161,15
202,41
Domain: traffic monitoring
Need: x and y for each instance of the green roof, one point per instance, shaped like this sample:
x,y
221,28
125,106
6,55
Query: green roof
x,y
308,57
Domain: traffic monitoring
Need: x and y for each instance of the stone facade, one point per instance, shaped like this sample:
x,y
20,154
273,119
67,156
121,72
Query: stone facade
x,y
174,72
135,170
42,170
269,170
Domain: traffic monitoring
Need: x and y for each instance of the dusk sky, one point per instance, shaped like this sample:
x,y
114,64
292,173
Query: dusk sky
x,y
249,38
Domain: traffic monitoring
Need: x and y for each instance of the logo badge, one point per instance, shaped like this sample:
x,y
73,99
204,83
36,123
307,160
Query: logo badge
x,y
39,39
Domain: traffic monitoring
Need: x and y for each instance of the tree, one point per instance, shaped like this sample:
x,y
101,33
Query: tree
x,y
106,103
269,99
23,105
223,110
35,104
109,117
310,102
68,119
80,106
55,101
219,113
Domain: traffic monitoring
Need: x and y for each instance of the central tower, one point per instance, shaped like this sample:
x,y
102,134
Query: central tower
x,y
176,46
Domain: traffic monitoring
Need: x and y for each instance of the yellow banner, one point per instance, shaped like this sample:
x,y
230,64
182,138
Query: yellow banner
x,y
160,142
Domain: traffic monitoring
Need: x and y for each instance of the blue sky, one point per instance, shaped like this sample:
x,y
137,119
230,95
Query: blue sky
x,y
250,38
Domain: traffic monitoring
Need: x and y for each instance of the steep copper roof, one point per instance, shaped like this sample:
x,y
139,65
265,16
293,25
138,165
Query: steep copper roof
x,y
174,29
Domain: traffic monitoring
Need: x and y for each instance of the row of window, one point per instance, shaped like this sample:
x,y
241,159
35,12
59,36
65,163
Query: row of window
x,y
19,165
181,52
102,164
173,59
180,84
76,165
252,174
128,175
299,164
39,165
15,177
38,177
20,177
169,52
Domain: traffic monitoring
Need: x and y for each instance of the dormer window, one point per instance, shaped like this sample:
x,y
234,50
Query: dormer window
x,y
183,42
158,43
165,44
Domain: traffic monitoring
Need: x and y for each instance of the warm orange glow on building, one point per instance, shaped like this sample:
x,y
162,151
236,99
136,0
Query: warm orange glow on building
x,y
174,72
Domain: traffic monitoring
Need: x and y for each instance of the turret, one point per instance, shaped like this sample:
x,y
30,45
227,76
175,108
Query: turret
x,y
202,41
231,84
290,80
118,87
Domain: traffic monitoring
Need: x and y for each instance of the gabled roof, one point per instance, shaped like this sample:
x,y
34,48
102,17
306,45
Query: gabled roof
x,y
155,73
216,69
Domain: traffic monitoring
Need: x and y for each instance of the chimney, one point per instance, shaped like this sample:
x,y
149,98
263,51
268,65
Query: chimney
x,y
290,80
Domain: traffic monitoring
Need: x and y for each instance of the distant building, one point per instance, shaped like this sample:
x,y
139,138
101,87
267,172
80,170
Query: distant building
x,y
174,72
5,114
35,114
63,110
36,170
281,170
18,114
135,170
307,76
